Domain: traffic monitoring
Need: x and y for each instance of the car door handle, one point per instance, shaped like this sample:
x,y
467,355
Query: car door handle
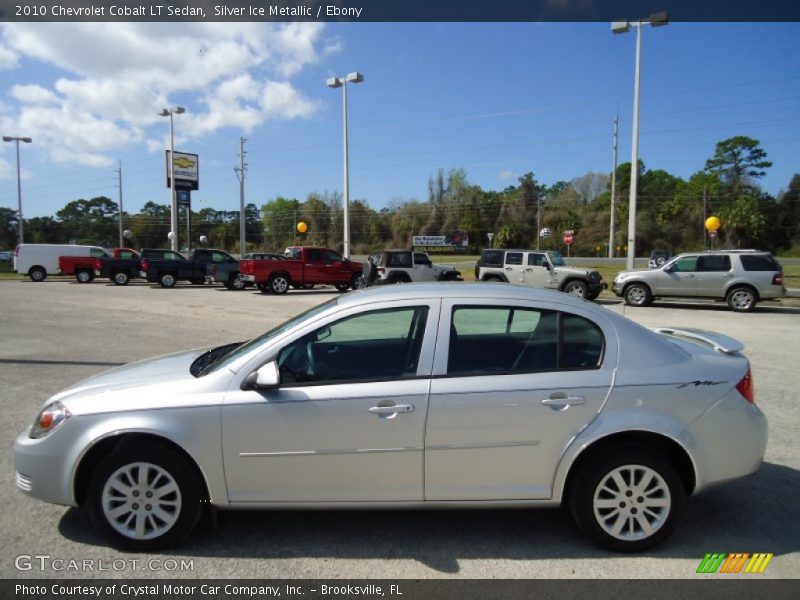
x,y
509,269
559,400
392,410
689,275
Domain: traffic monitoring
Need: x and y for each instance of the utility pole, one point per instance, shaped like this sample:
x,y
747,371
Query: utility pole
x,y
613,191
241,170
119,183
705,216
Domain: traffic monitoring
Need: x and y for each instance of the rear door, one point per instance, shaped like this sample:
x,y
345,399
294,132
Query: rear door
x,y
713,273
512,385
514,267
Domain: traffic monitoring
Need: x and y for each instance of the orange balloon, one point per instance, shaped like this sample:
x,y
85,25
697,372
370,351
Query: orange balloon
x,y
302,227
713,223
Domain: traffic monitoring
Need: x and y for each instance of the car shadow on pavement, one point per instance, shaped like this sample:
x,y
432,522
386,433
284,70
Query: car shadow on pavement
x,y
756,514
763,308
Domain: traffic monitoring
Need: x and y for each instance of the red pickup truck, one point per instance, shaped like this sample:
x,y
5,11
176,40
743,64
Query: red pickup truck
x,y
303,266
83,267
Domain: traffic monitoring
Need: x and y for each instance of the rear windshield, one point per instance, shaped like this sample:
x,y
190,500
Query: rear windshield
x,y
759,262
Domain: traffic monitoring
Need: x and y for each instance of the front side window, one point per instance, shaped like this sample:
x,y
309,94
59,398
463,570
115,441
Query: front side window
x,y
380,345
331,256
537,260
487,340
98,253
513,258
687,264
219,257
556,258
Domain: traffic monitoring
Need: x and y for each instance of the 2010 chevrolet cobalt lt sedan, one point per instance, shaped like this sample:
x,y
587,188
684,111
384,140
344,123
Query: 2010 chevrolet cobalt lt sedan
x,y
426,395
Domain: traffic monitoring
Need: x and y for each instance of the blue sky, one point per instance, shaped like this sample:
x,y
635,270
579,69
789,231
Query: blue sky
x,y
495,99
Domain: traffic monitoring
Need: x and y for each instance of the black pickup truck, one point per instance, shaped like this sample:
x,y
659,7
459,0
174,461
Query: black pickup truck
x,y
124,266
167,272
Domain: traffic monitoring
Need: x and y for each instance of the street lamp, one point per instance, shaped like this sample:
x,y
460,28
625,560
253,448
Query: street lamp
x,y
335,82
656,20
26,140
173,215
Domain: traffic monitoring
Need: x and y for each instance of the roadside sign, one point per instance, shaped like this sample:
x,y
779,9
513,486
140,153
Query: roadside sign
x,y
568,238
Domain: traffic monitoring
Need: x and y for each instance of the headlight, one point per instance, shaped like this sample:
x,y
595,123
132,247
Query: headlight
x,y
620,277
49,419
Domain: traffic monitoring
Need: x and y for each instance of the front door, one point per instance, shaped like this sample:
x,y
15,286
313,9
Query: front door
x,y
537,271
679,278
347,422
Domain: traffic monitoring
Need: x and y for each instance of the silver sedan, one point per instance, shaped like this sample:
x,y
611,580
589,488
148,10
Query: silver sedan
x,y
426,395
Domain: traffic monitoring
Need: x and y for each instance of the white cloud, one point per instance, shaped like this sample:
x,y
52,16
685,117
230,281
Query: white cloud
x,y
506,175
114,78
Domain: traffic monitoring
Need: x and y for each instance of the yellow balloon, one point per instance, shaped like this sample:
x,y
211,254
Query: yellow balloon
x,y
713,223
302,227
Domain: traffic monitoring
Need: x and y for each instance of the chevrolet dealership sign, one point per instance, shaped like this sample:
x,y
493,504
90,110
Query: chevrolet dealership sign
x,y
187,171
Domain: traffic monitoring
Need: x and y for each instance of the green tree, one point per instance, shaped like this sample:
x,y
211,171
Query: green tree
x,y
94,220
9,227
738,160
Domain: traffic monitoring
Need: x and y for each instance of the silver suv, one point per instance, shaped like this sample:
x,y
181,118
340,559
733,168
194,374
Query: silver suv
x,y
740,277
538,268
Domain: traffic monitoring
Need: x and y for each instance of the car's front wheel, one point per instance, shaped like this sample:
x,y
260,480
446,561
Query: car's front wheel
x,y
627,500
576,288
638,294
145,497
121,278
166,280
742,299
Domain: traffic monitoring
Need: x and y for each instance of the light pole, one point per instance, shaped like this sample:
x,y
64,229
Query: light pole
x,y
26,140
173,201
656,20
335,82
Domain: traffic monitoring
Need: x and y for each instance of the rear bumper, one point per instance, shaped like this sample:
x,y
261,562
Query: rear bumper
x,y
249,278
727,442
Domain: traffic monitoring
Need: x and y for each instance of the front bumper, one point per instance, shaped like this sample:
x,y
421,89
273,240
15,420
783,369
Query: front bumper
x,y
596,288
43,467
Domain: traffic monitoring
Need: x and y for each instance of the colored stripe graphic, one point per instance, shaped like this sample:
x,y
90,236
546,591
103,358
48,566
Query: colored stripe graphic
x,y
733,563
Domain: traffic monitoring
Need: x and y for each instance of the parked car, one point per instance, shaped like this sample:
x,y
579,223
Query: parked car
x,y
405,266
168,271
303,266
85,268
740,277
538,268
429,395
6,256
126,263
37,261
658,258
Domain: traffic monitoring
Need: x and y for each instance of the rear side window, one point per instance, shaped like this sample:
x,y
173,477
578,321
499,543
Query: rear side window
x,y
313,256
492,258
759,262
714,263
400,259
97,253
488,340
513,258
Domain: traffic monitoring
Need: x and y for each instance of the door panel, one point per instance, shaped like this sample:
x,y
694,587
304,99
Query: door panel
x,y
681,280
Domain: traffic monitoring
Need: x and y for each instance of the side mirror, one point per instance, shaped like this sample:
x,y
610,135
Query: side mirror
x,y
266,378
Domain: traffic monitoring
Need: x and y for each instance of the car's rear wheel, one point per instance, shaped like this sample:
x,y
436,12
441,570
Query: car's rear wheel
x,y
638,294
121,278
576,288
236,282
145,497
742,299
357,281
627,500
279,284
37,274
166,280
84,276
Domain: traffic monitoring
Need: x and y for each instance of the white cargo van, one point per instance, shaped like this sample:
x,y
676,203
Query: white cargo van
x,y
37,261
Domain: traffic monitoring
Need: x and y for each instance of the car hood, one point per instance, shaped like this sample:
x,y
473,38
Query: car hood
x,y
160,370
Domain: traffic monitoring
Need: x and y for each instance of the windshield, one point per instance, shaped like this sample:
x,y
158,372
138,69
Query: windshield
x,y
225,355
556,258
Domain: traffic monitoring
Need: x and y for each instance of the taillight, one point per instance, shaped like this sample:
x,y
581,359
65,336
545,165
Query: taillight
x,y
98,264
144,265
16,250
746,388
777,279
381,270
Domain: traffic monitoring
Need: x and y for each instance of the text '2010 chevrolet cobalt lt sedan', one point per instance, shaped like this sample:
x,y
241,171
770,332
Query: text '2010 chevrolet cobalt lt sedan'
x,y
462,395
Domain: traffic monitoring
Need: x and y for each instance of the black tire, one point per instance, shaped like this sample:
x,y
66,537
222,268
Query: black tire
x,y
742,299
576,288
637,294
236,282
181,509
37,274
598,504
120,278
279,284
167,280
342,287
84,276
357,281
